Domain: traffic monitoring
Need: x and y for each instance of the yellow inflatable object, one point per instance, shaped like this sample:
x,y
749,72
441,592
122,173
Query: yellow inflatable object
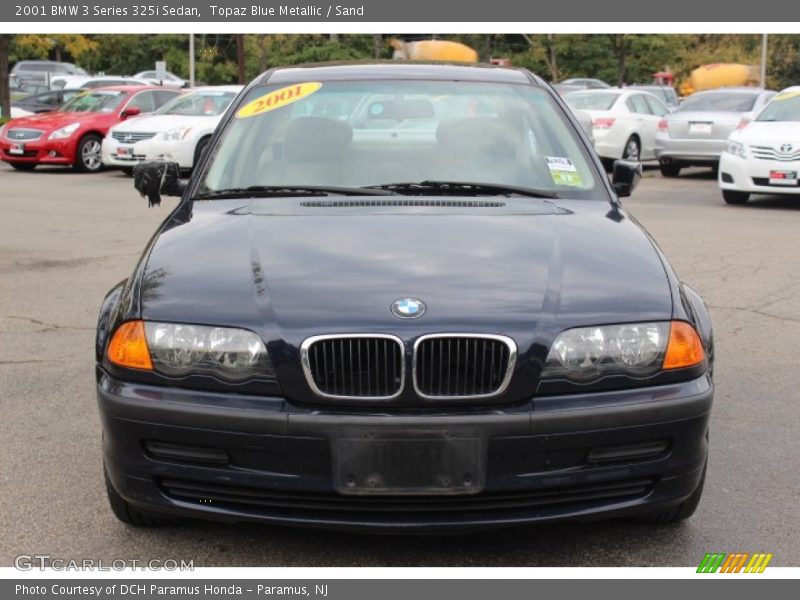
x,y
717,75
433,50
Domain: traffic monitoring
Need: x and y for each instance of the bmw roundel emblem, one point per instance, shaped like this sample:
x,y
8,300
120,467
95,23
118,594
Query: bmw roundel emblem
x,y
408,308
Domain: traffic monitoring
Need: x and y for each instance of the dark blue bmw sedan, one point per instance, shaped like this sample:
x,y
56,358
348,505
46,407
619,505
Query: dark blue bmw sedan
x,y
401,297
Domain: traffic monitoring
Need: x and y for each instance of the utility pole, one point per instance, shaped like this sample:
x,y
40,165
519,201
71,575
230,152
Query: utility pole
x,y
763,78
240,57
5,92
191,60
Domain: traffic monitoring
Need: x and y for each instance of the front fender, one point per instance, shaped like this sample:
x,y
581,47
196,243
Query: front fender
x,y
104,320
702,319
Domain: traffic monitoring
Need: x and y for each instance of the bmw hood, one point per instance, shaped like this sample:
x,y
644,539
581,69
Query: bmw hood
x,y
294,267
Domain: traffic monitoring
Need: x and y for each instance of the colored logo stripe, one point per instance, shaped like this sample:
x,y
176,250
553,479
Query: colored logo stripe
x,y
734,563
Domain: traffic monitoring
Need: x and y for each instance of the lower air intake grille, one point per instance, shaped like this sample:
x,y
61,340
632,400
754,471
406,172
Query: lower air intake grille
x,y
463,366
255,499
354,366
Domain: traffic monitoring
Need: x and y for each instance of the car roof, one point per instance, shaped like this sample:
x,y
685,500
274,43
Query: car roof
x,y
216,88
739,89
395,70
128,88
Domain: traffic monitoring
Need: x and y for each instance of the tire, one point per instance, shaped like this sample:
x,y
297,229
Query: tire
x,y
23,166
198,150
632,150
732,197
670,169
126,513
682,511
127,171
88,157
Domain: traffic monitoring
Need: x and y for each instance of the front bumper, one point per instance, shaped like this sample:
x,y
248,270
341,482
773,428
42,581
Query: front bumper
x,y
41,151
181,152
243,458
691,151
751,175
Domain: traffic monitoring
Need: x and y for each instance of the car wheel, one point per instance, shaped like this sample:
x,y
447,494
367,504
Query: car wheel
x,y
127,513
23,166
732,197
633,150
89,158
682,511
670,169
198,150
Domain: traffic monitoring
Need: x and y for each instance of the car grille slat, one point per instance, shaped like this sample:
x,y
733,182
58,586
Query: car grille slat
x,y
769,153
131,137
463,365
354,366
21,134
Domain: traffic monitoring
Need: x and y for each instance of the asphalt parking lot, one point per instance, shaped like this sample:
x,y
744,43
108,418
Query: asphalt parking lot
x,y
66,238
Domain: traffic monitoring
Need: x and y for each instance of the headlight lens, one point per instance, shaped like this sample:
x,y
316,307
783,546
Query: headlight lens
x,y
589,353
64,132
174,135
234,354
736,148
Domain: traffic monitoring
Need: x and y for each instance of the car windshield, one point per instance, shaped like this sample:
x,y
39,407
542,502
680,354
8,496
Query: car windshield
x,y
784,107
719,102
198,104
100,101
591,100
353,134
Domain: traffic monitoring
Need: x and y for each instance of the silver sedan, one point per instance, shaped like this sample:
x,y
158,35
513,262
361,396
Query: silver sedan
x,y
695,133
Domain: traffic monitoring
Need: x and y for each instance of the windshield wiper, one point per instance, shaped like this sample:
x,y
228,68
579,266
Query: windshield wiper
x,y
255,191
462,188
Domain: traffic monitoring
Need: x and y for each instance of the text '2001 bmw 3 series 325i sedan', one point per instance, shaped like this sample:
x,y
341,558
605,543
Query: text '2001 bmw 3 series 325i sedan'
x,y
401,298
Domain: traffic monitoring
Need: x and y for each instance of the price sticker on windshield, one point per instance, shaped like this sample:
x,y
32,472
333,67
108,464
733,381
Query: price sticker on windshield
x,y
278,99
563,171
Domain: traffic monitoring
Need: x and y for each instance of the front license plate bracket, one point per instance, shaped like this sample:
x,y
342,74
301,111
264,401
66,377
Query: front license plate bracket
x,y
379,461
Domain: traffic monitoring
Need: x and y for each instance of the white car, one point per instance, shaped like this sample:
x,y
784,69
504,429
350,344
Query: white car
x,y
169,79
764,156
177,132
624,123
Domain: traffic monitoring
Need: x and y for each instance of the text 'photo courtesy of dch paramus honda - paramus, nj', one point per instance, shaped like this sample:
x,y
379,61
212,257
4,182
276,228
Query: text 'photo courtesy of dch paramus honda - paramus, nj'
x,y
398,298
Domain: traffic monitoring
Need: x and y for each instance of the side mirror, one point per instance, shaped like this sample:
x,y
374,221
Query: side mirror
x,y
156,178
131,112
625,177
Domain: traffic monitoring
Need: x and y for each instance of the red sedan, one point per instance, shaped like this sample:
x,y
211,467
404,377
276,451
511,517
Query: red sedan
x,y
72,135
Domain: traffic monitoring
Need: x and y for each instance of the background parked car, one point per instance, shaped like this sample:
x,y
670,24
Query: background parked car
x,y
177,132
90,82
37,71
587,83
624,121
764,156
45,101
695,133
169,79
72,135
665,93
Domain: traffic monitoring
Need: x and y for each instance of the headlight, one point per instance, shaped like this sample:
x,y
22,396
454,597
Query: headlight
x,y
178,350
586,354
64,132
174,135
736,148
